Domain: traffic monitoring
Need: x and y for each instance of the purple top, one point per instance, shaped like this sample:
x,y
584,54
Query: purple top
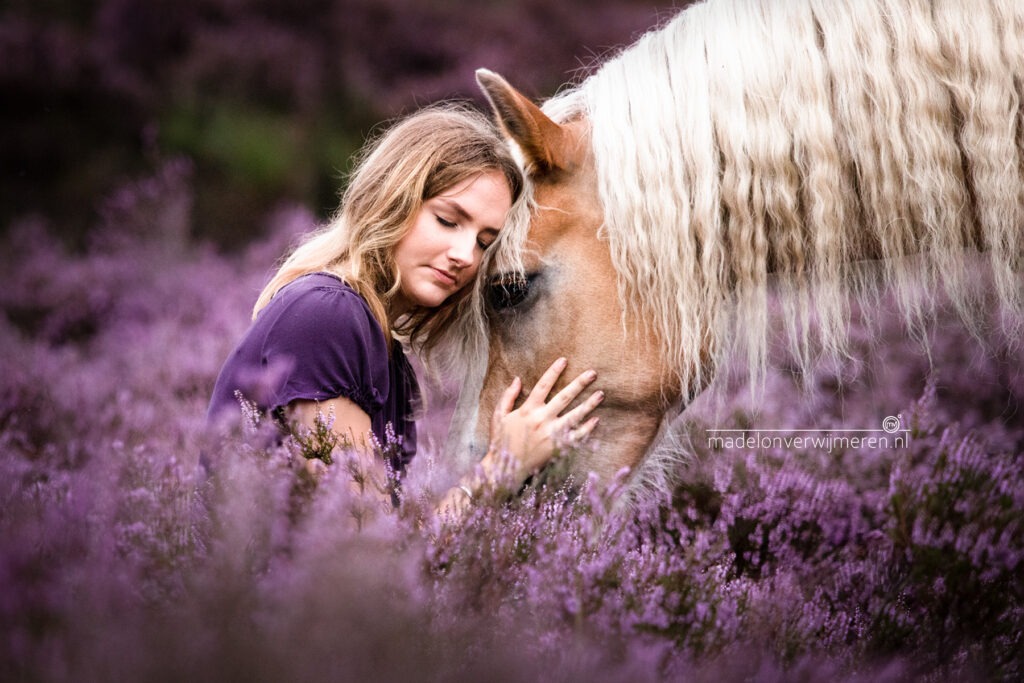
x,y
317,340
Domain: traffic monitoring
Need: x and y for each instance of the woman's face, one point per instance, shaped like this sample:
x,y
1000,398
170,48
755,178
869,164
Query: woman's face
x,y
441,252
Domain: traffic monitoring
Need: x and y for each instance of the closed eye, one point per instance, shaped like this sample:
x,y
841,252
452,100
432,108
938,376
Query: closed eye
x,y
486,237
446,223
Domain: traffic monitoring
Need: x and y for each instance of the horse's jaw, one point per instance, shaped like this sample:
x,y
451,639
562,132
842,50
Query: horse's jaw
x,y
646,441
630,417
624,440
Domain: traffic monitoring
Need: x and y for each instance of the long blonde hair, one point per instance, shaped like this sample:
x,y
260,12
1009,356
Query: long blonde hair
x,y
414,160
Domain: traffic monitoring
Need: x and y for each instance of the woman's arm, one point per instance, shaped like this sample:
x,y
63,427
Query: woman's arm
x,y
522,440
350,421
351,425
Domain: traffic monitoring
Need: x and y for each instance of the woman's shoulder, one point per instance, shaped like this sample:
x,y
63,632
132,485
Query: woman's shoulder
x,y
322,306
318,294
316,282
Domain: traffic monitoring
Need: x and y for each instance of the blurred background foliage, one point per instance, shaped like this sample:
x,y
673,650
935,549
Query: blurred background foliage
x,y
268,99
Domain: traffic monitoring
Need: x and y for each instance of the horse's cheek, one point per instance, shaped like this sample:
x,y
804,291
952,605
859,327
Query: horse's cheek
x,y
508,357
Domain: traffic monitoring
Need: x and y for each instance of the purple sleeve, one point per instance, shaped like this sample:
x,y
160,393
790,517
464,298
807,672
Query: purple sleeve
x,y
332,346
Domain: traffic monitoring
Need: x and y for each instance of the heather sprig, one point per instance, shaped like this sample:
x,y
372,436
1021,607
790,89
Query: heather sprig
x,y
321,441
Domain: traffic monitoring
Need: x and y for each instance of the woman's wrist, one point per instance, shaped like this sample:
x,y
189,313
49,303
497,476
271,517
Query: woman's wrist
x,y
488,473
497,466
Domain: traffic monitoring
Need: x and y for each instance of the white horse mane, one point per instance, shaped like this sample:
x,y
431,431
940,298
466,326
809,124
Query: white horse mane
x,y
749,135
751,143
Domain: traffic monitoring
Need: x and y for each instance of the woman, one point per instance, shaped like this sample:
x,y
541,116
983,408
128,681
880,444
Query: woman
x,y
421,208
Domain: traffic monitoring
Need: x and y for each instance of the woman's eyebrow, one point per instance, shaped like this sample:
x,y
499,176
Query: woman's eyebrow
x,y
456,207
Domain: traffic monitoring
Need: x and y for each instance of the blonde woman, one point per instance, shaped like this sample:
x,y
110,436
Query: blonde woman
x,y
427,199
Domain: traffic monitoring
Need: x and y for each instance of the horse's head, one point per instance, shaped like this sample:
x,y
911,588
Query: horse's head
x,y
745,148
565,302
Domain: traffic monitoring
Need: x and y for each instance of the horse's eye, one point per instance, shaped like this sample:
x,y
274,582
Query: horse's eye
x,y
509,290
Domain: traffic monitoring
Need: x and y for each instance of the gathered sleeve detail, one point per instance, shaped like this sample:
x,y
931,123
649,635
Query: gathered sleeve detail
x,y
317,340
327,344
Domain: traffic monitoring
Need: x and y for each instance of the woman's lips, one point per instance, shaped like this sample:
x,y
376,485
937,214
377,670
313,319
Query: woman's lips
x,y
444,276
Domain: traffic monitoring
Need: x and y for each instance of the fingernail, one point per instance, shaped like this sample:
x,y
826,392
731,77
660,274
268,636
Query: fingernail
x,y
563,362
591,375
600,396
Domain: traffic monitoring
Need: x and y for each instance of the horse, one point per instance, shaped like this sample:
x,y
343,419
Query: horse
x,y
744,145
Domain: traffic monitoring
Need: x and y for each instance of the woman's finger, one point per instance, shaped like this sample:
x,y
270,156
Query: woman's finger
x,y
508,398
580,434
539,393
577,414
569,392
504,406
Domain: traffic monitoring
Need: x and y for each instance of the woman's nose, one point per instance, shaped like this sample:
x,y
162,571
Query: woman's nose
x,y
462,249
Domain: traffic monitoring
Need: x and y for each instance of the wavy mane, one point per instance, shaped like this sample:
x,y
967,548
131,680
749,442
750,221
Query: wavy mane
x,y
833,150
747,142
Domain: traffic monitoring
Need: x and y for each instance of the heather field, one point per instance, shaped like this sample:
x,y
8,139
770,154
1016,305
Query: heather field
x,y
159,156
119,561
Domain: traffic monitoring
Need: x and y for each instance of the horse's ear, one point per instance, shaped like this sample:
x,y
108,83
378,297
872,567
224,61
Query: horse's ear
x,y
541,139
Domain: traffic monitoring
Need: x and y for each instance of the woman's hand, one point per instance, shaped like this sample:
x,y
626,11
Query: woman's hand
x,y
532,433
